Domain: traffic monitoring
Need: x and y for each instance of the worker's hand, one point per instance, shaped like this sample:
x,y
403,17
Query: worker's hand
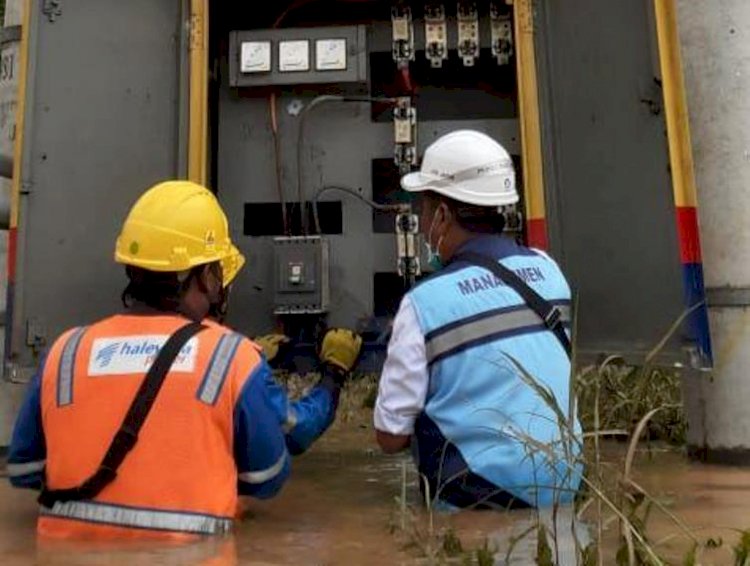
x,y
340,348
271,344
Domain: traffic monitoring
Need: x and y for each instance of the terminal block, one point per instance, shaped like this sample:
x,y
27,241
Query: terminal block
x,y
403,34
405,134
468,32
502,34
436,34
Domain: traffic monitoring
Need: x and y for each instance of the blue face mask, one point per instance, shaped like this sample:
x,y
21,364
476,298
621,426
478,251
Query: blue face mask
x,y
433,256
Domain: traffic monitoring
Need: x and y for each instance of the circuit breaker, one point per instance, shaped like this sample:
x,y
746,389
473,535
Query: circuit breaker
x,y
301,284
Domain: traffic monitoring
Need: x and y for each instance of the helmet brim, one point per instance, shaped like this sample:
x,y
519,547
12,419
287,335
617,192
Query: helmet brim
x,y
472,191
231,265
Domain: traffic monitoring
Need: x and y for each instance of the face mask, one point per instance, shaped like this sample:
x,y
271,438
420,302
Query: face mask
x,y
433,256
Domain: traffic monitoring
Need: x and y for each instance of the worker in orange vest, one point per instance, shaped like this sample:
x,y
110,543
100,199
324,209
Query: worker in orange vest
x,y
152,421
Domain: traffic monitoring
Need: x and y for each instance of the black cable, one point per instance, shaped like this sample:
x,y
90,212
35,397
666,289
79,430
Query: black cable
x,y
277,162
354,193
315,102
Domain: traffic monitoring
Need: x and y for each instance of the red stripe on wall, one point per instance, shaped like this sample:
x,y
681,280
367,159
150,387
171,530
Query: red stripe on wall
x,y
536,233
687,230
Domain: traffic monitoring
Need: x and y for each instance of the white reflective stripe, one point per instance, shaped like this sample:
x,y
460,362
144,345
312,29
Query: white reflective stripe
x,y
262,476
218,367
291,420
478,329
475,172
67,368
17,470
106,513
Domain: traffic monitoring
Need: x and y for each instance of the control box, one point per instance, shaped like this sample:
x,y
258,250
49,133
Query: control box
x,y
294,56
301,278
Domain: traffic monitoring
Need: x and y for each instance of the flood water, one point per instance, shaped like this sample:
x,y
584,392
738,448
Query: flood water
x,y
340,508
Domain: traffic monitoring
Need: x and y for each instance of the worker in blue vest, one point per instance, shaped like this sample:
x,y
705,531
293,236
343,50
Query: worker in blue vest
x,y
468,357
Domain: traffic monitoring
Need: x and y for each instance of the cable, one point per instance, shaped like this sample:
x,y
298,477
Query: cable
x,y
277,162
314,103
356,194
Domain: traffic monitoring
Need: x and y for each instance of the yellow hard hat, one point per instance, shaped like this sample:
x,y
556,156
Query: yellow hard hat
x,y
175,226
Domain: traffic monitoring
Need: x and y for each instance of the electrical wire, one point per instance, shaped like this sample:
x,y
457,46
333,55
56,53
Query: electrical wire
x,y
314,103
277,162
273,114
371,203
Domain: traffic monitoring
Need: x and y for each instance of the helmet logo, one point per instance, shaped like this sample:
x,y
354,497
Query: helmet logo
x,y
134,248
210,239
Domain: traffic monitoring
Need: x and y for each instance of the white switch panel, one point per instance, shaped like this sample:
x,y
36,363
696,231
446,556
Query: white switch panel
x,y
330,55
294,55
255,57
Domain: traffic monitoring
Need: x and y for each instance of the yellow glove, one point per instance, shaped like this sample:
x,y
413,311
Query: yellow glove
x,y
341,348
271,344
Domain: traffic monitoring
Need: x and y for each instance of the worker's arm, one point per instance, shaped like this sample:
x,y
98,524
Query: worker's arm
x,y
403,383
306,419
28,450
259,448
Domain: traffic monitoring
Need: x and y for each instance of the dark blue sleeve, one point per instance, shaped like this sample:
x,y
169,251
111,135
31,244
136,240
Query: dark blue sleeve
x,y
259,448
304,420
28,450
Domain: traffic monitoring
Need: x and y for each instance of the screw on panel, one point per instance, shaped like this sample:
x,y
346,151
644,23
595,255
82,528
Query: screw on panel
x,y
52,9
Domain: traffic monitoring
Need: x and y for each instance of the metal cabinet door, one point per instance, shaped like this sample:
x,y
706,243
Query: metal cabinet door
x,y
611,206
105,118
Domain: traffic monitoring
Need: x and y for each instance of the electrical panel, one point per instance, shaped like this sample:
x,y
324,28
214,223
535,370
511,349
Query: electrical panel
x,y
357,105
294,56
301,284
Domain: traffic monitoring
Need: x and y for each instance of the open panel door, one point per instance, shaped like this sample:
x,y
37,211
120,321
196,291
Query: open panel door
x,y
106,116
621,227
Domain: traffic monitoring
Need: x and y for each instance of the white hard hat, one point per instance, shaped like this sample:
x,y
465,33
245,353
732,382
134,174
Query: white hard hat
x,y
467,166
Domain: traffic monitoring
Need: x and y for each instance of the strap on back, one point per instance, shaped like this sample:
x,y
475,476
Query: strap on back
x,y
127,436
549,313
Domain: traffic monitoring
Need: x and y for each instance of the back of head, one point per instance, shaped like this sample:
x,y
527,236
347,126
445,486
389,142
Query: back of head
x,y
172,232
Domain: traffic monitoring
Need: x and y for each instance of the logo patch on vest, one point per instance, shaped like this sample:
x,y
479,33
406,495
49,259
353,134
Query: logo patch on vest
x,y
135,354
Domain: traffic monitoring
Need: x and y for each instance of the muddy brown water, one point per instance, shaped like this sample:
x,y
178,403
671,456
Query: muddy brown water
x,y
340,508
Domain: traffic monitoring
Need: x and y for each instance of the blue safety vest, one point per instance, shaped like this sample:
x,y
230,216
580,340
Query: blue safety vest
x,y
486,433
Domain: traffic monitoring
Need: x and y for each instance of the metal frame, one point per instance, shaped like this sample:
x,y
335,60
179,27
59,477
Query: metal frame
x,y
530,124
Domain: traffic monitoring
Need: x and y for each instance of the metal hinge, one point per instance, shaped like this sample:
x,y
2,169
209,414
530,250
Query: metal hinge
x,y
52,9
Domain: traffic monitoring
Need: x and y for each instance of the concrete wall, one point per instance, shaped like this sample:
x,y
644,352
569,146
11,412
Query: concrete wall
x,y
715,39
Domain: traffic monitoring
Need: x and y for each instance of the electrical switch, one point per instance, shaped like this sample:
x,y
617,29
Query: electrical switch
x,y
502,34
436,34
403,34
296,273
468,32
405,134
407,228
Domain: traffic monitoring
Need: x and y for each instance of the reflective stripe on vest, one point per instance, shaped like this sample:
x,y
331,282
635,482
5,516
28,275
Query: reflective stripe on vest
x,y
18,470
218,368
66,369
493,325
262,476
291,421
134,517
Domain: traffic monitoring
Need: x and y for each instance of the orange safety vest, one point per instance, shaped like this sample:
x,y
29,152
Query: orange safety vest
x,y
180,479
